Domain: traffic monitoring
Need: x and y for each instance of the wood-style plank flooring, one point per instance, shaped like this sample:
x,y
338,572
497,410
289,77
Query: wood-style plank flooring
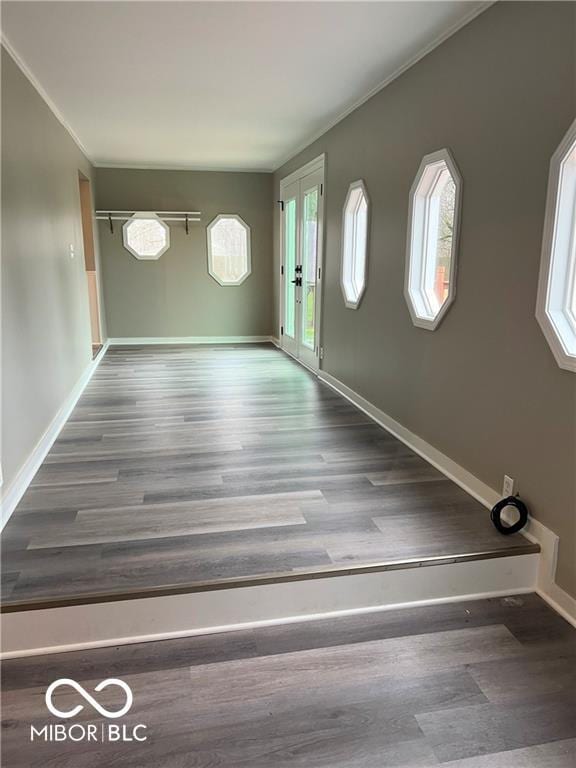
x,y
191,464
478,684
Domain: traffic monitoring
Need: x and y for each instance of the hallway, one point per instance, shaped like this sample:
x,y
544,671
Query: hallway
x,y
288,348
189,466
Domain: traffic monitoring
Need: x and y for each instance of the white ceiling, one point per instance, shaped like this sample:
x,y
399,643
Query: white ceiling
x,y
219,85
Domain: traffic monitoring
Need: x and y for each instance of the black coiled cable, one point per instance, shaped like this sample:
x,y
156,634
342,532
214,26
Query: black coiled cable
x,y
509,501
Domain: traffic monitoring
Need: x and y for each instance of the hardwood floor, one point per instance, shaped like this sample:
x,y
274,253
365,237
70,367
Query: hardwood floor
x,y
183,465
478,684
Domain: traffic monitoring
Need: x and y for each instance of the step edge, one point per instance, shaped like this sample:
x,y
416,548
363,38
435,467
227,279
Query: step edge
x,y
264,579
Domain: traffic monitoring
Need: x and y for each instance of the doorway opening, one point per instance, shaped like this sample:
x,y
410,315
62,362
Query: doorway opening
x,y
302,197
90,262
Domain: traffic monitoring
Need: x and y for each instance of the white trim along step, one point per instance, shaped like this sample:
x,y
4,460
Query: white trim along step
x,y
534,531
75,627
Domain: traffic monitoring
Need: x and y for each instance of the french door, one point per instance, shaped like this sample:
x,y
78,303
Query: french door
x,y
301,271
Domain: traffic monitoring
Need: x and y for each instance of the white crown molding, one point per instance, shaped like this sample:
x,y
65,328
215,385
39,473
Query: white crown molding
x,y
27,72
176,167
476,11
317,164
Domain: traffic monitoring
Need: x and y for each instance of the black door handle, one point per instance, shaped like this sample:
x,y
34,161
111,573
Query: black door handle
x,y
298,281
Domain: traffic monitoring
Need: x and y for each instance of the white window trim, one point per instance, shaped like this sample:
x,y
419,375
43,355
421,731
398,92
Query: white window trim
x,y
353,186
554,323
417,220
145,215
209,228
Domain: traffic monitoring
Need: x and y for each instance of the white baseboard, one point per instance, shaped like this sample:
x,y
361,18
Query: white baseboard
x,y
61,629
466,480
14,492
560,600
314,371
535,531
137,341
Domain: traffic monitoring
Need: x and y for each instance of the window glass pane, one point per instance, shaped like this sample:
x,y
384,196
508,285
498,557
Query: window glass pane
x,y
289,266
354,244
567,198
309,262
146,236
572,287
359,251
431,231
229,250
447,193
556,305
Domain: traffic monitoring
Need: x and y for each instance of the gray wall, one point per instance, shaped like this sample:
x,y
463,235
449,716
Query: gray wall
x,y
46,342
484,388
175,295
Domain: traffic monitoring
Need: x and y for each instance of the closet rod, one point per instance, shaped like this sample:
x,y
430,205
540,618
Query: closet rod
x,y
172,213
163,218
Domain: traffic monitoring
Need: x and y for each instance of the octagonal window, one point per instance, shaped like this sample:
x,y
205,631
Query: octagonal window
x,y
556,304
430,285
354,244
146,236
229,261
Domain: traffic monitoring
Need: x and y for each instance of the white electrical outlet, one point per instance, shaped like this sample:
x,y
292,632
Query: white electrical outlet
x,y
508,487
71,250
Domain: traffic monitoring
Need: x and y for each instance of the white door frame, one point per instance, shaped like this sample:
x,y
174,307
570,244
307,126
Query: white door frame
x,y
318,164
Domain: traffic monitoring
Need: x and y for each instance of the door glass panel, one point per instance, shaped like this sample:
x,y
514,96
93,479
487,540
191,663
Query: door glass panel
x,y
289,267
309,262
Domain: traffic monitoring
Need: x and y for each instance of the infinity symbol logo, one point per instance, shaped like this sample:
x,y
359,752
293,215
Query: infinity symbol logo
x,y
87,697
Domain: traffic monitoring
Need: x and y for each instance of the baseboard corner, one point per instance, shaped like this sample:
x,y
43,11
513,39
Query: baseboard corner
x,y
559,600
